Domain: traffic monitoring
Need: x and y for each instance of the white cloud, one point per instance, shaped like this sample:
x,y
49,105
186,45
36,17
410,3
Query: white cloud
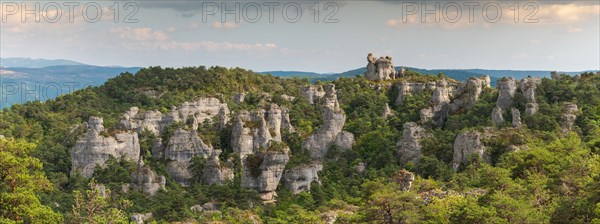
x,y
139,34
574,30
225,25
535,42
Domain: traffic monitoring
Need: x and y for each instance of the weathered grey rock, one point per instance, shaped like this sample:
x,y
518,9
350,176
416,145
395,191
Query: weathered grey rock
x,y
195,111
486,82
239,98
215,172
140,218
184,145
410,88
569,116
409,146
506,91
361,167
344,140
299,179
94,149
197,209
468,94
312,93
466,144
387,112
516,116
380,69
497,117
441,94
147,181
179,171
405,179
333,121
528,87
211,207
254,130
288,97
264,176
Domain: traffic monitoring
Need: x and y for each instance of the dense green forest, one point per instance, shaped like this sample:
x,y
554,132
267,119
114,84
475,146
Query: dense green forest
x,y
554,176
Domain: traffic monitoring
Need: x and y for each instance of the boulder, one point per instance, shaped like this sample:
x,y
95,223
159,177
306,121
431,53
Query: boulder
x,y
466,144
262,172
569,116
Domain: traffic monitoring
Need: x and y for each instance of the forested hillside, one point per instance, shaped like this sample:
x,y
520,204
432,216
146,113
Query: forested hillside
x,y
225,145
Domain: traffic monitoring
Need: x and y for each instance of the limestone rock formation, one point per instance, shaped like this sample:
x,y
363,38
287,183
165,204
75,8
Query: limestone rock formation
x,y
409,146
214,172
466,144
380,69
440,101
140,218
312,93
195,111
405,179
147,181
387,112
528,87
410,88
239,98
262,172
516,116
333,121
569,116
467,94
497,117
506,91
299,179
95,149
254,130
184,145
179,171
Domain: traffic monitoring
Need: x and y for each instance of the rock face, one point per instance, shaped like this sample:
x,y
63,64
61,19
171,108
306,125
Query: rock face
x,y
468,94
409,88
528,87
440,101
194,112
239,98
409,146
497,116
569,116
147,181
506,92
180,149
380,69
467,144
254,130
516,116
214,172
299,179
312,93
262,172
95,149
333,121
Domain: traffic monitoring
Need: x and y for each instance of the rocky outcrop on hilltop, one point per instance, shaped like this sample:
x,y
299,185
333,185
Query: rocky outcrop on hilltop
x,y
466,144
468,93
96,147
440,100
380,69
569,116
507,87
333,121
312,93
194,113
299,179
409,146
410,88
528,87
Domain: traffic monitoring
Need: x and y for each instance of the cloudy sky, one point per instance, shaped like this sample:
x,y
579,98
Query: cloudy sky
x,y
548,35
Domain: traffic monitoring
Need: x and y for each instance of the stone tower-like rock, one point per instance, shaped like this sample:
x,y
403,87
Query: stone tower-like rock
x,y
528,87
380,69
333,121
467,144
409,146
569,116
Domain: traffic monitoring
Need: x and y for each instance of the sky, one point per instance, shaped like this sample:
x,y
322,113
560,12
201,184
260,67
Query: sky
x,y
307,35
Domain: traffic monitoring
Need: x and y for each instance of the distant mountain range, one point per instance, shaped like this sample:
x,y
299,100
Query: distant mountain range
x,y
24,79
34,63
